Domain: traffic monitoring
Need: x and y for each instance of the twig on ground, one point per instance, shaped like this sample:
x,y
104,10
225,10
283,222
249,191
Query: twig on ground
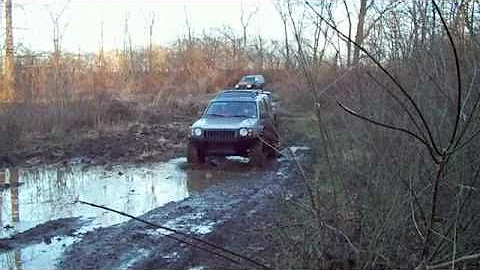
x,y
457,260
186,236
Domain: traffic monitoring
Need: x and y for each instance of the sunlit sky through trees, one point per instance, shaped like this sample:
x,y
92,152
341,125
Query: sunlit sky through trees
x,y
80,22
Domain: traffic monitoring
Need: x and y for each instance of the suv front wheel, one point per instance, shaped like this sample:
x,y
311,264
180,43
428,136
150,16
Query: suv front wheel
x,y
257,155
194,154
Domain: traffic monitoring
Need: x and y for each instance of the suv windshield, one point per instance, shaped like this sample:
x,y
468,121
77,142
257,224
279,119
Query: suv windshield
x,y
232,109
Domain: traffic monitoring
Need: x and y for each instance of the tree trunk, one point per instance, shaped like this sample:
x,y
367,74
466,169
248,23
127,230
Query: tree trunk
x,y
359,35
287,49
8,92
349,43
150,46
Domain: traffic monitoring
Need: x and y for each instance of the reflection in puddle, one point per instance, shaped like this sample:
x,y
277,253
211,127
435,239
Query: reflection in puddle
x,y
198,180
37,256
29,197
228,168
34,196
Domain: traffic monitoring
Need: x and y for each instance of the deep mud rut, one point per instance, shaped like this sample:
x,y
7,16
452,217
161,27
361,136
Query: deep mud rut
x,y
227,202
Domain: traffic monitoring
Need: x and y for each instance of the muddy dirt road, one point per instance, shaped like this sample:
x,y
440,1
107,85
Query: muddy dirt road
x,y
227,202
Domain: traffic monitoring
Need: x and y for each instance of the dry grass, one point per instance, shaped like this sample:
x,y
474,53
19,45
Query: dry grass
x,y
371,184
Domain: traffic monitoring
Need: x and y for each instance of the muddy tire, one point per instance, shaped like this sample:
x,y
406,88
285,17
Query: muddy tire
x,y
272,153
195,155
257,155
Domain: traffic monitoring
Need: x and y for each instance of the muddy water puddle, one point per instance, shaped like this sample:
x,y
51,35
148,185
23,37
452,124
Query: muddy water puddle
x,y
30,197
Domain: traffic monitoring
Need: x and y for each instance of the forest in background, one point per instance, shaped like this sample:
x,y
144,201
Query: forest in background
x,y
390,107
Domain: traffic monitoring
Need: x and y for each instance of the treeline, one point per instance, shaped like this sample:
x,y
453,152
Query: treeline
x,y
196,65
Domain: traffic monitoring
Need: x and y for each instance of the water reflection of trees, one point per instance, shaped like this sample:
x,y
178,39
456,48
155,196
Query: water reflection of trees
x,y
2,183
9,181
14,183
198,180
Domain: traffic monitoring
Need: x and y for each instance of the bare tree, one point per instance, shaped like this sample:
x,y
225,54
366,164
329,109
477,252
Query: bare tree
x,y
260,50
58,27
100,78
359,36
188,24
128,54
150,42
349,44
284,16
245,21
58,30
101,53
9,69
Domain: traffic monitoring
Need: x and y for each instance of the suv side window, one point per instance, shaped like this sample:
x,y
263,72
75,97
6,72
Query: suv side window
x,y
267,105
263,110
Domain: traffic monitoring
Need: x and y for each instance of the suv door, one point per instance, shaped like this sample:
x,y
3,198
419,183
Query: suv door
x,y
266,119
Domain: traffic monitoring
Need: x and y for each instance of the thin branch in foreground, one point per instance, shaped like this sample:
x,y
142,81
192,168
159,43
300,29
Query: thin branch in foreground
x,y
419,232
186,236
410,133
466,126
397,99
350,243
459,79
467,141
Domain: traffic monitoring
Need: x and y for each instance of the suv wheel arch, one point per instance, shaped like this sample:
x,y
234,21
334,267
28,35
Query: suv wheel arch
x,y
195,155
257,155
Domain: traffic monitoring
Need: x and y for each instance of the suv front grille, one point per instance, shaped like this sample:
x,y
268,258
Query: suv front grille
x,y
220,134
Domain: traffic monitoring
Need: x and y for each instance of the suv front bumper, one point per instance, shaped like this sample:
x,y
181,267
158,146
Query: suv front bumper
x,y
224,147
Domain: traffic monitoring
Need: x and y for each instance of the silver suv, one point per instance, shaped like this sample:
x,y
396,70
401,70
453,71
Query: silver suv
x,y
234,125
251,82
265,94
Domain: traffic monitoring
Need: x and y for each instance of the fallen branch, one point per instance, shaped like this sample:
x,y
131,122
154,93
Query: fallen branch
x,y
347,239
458,260
186,236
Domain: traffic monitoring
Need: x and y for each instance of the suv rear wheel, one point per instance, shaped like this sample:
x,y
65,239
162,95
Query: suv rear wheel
x,y
195,155
257,155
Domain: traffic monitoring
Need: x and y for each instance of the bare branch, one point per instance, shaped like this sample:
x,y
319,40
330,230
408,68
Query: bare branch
x,y
410,133
352,246
184,235
402,105
394,80
459,79
457,260
415,223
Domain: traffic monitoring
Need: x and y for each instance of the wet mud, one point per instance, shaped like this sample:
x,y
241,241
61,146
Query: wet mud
x,y
238,213
227,202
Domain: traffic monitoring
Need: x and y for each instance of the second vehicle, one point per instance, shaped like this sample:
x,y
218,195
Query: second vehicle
x,y
251,82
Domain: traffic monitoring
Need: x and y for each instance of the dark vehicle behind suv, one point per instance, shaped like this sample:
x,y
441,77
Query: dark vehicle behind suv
x,y
234,125
251,82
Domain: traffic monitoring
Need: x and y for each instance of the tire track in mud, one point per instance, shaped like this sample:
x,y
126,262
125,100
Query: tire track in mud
x,y
237,214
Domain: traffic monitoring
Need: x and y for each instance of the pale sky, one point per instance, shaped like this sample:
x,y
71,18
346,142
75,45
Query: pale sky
x,y
81,20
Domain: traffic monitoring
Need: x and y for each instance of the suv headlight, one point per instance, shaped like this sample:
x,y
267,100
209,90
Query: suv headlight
x,y
197,132
243,132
